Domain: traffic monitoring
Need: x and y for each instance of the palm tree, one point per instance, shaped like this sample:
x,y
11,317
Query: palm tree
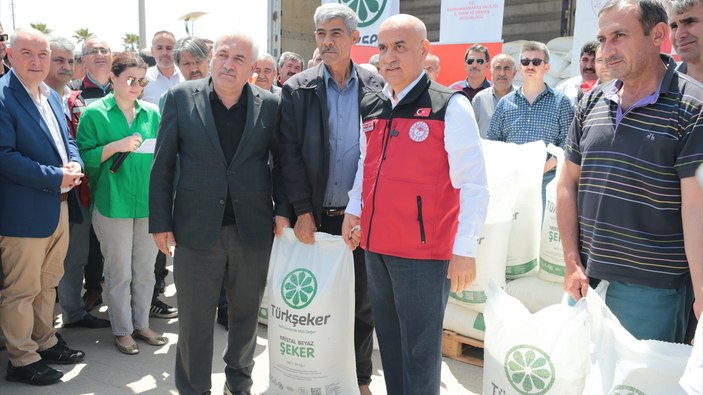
x,y
82,35
130,42
41,27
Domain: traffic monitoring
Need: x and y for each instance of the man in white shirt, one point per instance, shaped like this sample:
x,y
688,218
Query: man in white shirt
x,y
572,87
165,74
39,167
424,190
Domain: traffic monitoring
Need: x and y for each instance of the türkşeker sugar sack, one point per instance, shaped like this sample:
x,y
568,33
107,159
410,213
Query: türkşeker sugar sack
x,y
311,317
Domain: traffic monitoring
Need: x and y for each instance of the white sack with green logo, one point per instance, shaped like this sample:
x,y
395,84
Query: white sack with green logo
x,y
535,293
523,244
692,379
311,317
551,253
492,250
464,321
534,354
623,365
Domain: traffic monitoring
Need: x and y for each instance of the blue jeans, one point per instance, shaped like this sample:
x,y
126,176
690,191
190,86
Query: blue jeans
x,y
408,298
651,313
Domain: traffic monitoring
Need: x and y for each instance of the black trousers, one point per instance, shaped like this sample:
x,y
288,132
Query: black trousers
x,y
93,270
363,319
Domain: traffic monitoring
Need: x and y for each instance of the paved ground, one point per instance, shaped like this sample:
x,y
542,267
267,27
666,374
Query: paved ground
x,y
106,371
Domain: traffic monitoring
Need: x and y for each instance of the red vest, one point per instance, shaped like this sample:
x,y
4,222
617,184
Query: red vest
x,y
410,208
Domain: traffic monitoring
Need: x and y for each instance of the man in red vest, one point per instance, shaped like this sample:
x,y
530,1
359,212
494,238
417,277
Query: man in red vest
x,y
422,181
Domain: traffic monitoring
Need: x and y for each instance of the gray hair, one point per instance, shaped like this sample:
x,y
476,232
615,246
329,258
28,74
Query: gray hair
x,y
651,12
242,37
61,43
331,11
193,45
286,56
375,60
535,46
433,58
266,56
501,57
681,6
84,47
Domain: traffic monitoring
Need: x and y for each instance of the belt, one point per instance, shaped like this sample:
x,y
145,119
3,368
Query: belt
x,y
64,197
333,212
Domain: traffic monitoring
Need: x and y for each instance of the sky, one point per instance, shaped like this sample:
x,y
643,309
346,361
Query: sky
x,y
110,20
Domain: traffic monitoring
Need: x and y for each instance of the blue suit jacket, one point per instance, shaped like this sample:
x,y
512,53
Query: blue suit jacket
x,y
30,165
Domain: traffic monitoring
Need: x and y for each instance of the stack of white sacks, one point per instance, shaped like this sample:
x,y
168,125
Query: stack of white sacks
x,y
516,251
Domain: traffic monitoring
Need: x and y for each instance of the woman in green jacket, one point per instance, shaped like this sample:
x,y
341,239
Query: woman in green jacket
x,y
110,131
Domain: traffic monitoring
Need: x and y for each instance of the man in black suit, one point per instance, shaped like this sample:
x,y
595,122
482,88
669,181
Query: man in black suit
x,y
220,131
320,151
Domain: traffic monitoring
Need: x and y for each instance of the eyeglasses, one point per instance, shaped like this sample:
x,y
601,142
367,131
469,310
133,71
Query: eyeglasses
x,y
133,81
535,61
470,61
94,51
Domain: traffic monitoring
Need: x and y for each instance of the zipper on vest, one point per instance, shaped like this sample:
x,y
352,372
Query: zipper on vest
x,y
387,137
420,220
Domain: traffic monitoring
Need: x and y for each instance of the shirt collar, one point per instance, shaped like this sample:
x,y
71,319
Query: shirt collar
x,y
547,91
665,86
388,91
493,89
328,77
44,89
96,83
484,85
110,102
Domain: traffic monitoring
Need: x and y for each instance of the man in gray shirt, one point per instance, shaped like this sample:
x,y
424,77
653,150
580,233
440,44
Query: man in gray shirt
x,y
502,73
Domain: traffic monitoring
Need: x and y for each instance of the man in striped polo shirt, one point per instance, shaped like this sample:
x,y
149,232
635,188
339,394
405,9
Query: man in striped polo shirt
x,y
628,208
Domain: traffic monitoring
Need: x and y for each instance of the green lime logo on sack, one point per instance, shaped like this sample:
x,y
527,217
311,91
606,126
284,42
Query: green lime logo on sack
x,y
529,370
368,11
625,390
299,288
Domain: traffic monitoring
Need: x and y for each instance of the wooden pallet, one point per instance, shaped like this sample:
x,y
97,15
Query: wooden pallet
x,y
462,348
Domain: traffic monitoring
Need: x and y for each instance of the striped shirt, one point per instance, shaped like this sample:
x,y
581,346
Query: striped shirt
x,y
632,163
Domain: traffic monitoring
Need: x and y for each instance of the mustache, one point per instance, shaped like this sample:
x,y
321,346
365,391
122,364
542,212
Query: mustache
x,y
590,69
229,72
613,59
194,74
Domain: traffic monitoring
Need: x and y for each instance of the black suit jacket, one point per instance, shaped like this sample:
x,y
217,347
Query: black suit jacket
x,y
305,151
188,137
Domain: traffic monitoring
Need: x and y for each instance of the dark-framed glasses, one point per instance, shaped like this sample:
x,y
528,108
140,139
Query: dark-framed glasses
x,y
133,81
535,61
470,61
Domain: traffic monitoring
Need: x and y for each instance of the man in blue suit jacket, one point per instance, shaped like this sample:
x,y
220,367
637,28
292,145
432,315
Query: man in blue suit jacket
x,y
39,166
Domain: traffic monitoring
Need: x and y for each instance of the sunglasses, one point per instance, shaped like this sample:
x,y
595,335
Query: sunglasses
x,y
133,81
470,61
94,51
535,61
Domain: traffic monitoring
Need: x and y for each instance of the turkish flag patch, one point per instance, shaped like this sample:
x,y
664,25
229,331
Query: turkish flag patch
x,y
423,112
369,125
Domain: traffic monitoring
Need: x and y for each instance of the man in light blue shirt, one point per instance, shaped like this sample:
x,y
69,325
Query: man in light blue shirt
x,y
502,73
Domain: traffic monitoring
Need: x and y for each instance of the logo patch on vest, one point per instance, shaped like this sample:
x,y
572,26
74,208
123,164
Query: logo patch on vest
x,y
369,126
419,132
423,112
